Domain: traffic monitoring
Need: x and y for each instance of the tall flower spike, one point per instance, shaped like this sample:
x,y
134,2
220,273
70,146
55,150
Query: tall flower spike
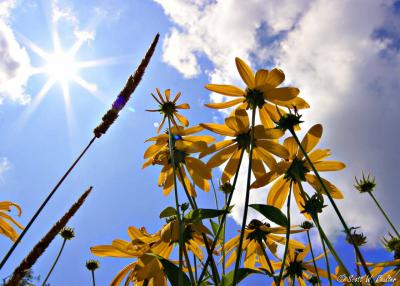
x,y
125,94
169,108
41,246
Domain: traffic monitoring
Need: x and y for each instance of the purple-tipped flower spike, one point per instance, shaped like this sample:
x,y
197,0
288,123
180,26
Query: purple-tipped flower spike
x,y
125,94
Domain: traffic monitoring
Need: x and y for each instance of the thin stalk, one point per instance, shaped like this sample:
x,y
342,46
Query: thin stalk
x,y
223,241
271,269
331,248
384,213
287,236
313,257
27,227
195,266
215,194
357,266
328,268
223,218
193,204
178,215
346,228
192,280
246,202
93,280
55,262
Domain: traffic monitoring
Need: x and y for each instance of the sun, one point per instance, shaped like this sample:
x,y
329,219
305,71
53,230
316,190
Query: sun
x,y
61,67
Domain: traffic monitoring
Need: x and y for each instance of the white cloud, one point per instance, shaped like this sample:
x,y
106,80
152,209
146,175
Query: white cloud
x,y
14,60
341,54
4,166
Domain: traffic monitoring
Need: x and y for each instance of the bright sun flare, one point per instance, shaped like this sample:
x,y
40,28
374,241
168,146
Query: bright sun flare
x,y
61,67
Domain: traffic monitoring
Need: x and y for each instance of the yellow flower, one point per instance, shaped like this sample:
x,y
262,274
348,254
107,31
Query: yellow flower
x,y
6,220
297,268
297,170
262,91
169,108
258,233
238,127
146,267
184,146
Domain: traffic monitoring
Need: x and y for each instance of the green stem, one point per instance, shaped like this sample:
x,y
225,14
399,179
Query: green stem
x,y
215,194
271,268
247,198
93,281
195,266
328,268
193,204
171,154
55,262
192,280
346,228
384,213
287,235
214,244
331,248
357,266
313,257
223,242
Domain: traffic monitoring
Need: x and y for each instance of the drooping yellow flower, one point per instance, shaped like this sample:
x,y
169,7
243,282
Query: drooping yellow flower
x,y
183,147
296,170
169,108
6,220
258,233
298,269
261,91
145,267
238,126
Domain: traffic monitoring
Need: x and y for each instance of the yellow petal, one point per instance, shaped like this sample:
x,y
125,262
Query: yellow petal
x,y
266,157
260,132
275,77
261,77
257,166
108,251
231,167
204,138
219,129
278,193
183,106
297,103
299,199
265,118
196,166
182,119
264,180
319,154
152,149
245,72
121,275
274,148
329,165
280,94
225,104
221,156
291,145
313,181
167,94
189,131
215,147
312,138
225,89
273,113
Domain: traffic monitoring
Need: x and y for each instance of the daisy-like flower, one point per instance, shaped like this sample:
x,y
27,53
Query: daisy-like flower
x,y
169,108
238,126
261,92
184,145
146,267
257,233
6,220
296,170
298,269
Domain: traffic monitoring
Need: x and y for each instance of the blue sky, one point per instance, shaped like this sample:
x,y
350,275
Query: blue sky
x,y
344,56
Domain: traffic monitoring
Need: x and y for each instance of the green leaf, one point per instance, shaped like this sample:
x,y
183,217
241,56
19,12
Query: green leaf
x,y
242,273
172,271
215,227
168,212
200,214
272,213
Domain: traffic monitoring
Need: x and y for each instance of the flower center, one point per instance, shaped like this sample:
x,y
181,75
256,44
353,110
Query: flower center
x,y
254,98
295,268
243,140
296,171
258,234
168,108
